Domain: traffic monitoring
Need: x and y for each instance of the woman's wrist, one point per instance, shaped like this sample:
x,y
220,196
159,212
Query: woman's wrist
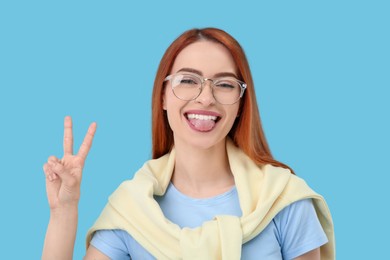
x,y
66,211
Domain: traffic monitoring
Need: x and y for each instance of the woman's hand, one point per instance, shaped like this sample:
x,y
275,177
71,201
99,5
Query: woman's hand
x,y
63,179
63,176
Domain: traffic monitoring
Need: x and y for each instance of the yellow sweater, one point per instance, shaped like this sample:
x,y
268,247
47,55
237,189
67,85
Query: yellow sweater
x,y
262,191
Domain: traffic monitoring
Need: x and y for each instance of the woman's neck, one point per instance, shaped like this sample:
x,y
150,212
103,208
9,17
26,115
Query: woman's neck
x,y
202,173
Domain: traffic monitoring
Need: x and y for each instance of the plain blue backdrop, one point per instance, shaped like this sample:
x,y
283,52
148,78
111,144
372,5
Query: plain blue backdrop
x,y
321,71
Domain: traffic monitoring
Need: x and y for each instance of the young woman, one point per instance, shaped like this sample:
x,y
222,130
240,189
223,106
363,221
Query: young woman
x,y
213,190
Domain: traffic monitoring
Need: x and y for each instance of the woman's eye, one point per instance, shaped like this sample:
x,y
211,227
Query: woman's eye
x,y
225,85
187,81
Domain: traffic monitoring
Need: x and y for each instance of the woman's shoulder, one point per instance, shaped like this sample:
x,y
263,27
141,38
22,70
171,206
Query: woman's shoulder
x,y
299,209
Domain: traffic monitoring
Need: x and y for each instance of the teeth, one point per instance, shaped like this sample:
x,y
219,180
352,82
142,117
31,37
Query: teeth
x,y
201,117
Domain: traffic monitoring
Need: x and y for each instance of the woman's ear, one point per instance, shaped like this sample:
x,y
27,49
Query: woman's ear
x,y
164,102
239,109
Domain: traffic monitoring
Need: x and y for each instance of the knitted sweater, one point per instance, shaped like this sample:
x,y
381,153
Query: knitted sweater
x,y
262,191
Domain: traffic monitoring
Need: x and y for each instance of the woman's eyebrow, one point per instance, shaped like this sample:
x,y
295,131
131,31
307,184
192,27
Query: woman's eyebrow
x,y
225,74
191,71
220,74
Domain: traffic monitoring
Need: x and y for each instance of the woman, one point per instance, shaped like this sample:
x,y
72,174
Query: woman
x,y
213,190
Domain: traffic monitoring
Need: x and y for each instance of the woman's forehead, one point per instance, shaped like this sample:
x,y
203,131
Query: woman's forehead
x,y
209,58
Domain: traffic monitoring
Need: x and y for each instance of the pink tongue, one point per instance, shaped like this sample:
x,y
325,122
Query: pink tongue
x,y
202,125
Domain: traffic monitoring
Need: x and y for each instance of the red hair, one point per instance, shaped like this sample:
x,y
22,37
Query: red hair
x,y
247,132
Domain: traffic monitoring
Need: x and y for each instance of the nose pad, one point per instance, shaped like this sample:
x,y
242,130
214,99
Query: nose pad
x,y
206,96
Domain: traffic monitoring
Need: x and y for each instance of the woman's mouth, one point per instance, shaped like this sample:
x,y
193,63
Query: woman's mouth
x,y
202,122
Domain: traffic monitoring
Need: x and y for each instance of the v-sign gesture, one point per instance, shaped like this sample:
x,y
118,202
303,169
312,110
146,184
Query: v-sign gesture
x,y
63,176
63,179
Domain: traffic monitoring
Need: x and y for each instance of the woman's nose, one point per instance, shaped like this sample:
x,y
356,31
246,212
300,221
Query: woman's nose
x,y
206,96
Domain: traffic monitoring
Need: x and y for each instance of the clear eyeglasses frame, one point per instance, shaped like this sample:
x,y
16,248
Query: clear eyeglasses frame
x,y
188,86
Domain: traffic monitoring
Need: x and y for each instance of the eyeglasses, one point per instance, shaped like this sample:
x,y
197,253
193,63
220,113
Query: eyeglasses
x,y
225,90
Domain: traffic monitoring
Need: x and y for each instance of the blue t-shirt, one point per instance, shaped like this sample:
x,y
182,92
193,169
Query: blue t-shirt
x,y
294,231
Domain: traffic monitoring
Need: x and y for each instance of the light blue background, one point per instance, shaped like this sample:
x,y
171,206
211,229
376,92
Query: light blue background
x,y
321,70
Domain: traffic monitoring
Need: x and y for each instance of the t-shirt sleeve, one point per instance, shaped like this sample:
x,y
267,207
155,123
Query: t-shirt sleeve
x,y
111,243
299,228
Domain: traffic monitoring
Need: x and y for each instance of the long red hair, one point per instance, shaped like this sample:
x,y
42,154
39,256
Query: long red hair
x,y
247,132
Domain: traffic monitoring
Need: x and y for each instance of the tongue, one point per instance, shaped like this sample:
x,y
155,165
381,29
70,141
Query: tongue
x,y
202,125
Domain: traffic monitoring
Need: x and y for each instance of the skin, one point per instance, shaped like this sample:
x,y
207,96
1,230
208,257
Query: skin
x,y
201,167
63,178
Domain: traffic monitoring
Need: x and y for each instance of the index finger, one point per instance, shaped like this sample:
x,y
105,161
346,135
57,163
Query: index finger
x,y
87,143
68,136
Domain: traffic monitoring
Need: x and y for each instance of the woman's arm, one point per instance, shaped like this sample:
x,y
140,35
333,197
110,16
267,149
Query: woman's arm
x,y
63,179
60,234
93,253
311,255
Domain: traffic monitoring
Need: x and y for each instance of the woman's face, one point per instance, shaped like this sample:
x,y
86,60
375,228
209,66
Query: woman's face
x,y
203,122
